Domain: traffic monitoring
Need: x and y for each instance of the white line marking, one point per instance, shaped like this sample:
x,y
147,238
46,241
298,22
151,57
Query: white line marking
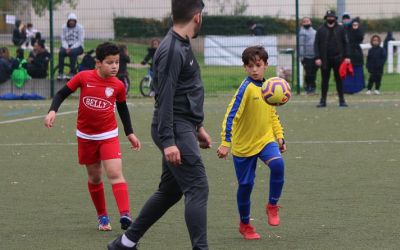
x,y
35,117
150,142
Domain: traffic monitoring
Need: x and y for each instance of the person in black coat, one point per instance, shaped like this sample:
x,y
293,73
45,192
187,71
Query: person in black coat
x,y
331,49
5,65
38,61
355,83
375,62
19,34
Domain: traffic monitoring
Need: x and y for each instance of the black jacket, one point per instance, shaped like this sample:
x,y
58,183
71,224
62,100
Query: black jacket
x,y
356,37
321,43
5,70
376,60
39,66
179,92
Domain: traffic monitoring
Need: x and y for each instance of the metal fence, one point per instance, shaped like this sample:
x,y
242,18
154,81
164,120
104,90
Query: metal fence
x,y
228,27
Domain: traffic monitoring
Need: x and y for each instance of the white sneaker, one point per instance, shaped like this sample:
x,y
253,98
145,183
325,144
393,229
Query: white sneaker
x,y
368,92
377,92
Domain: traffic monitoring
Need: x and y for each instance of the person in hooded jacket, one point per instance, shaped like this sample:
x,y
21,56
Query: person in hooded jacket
x,y
355,34
72,44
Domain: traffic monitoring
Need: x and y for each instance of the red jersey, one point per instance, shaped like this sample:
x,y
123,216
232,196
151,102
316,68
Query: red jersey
x,y
96,113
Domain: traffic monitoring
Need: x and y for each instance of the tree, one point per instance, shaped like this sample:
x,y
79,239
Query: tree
x,y
238,7
39,6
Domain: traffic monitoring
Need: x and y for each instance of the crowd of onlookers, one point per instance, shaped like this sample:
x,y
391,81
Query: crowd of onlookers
x,y
20,69
336,47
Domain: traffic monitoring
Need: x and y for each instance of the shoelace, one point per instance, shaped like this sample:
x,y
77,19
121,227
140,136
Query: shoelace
x,y
273,210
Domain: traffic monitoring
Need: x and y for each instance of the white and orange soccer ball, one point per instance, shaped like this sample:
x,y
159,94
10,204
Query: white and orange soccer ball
x,y
276,91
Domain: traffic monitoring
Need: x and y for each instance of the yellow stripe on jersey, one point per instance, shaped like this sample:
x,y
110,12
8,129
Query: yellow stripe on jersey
x,y
249,123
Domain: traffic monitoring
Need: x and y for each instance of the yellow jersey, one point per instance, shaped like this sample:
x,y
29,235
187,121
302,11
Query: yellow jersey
x,y
249,123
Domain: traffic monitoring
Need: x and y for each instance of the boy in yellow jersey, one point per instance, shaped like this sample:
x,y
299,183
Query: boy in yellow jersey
x,y
251,129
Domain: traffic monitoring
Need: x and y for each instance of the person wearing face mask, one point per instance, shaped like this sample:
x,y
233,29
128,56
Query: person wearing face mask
x,y
331,48
307,54
355,33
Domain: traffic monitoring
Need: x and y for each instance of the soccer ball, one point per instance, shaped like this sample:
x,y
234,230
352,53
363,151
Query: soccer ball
x,y
276,91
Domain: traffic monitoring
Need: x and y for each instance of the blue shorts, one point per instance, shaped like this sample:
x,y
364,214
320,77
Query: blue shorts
x,y
245,167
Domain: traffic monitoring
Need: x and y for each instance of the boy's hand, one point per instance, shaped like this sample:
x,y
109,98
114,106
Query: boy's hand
x,y
282,145
135,143
49,119
204,138
223,152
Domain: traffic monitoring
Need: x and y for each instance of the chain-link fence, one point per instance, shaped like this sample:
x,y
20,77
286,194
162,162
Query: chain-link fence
x,y
228,27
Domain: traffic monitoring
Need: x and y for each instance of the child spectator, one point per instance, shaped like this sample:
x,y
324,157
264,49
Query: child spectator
x,y
19,74
30,35
375,62
123,74
251,129
97,131
154,43
38,61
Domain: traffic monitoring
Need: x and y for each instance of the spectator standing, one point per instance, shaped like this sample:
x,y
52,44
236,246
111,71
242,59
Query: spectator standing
x,y
375,62
154,43
19,34
72,44
331,48
307,54
389,37
256,29
123,74
38,61
355,34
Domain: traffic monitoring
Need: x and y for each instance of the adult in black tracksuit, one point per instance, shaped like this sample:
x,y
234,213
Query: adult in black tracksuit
x,y
331,48
177,130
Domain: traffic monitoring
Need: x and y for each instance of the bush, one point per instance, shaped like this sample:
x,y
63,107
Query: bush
x,y
232,25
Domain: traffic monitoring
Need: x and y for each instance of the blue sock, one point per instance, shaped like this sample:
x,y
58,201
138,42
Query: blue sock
x,y
244,203
276,181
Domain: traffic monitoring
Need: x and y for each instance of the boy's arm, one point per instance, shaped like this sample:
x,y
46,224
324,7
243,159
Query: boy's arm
x,y
276,125
56,103
233,113
61,95
123,112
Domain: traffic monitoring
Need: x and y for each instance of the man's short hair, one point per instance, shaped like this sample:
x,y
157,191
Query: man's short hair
x,y
184,10
253,54
106,49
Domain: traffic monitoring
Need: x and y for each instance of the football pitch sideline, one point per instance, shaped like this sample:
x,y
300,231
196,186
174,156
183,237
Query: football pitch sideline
x,y
341,180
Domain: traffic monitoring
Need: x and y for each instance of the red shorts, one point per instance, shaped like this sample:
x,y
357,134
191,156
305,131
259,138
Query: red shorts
x,y
91,151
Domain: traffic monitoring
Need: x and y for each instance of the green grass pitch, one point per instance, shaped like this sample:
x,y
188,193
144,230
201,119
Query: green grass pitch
x,y
341,190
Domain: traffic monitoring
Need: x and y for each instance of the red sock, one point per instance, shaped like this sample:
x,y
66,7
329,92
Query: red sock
x,y
97,193
121,195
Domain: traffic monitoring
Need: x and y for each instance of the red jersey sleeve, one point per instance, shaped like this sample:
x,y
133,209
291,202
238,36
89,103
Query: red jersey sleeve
x,y
120,97
74,83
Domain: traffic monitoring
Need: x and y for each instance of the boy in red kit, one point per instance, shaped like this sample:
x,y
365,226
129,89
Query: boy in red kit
x,y
97,130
